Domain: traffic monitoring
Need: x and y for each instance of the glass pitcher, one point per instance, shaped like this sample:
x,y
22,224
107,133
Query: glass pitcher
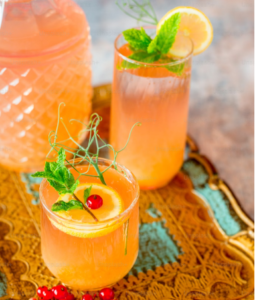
x,y
44,60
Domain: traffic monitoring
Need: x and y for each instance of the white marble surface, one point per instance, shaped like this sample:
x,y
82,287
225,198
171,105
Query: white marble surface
x,y
221,100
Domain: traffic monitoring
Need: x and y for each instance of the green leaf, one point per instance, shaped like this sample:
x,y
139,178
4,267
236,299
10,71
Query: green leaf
x,y
61,157
52,166
39,174
47,168
60,188
65,206
60,174
60,205
128,65
153,46
86,194
177,69
137,39
145,37
140,56
68,177
46,175
74,187
167,33
143,56
74,204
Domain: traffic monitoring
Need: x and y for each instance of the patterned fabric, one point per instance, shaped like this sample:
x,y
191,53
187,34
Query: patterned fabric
x,y
195,241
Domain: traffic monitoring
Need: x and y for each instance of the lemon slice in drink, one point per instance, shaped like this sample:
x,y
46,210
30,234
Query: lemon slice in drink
x,y
194,24
112,206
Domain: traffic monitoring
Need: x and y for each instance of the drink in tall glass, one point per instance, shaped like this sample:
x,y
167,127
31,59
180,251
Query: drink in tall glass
x,y
157,95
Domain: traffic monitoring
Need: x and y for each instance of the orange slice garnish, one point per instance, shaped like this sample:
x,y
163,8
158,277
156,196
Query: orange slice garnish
x,y
195,25
112,206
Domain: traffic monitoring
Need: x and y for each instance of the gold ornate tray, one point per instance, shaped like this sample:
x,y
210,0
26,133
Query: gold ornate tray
x,y
195,241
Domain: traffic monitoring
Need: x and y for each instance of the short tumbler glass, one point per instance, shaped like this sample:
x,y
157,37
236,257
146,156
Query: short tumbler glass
x,y
90,256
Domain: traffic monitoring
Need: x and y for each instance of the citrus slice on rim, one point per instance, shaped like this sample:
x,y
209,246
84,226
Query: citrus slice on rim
x,y
76,219
194,24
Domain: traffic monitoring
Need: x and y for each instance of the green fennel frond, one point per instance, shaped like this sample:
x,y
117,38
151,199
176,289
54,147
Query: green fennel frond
x,y
141,10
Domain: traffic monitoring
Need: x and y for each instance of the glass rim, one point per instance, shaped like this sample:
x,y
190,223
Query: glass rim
x,y
93,225
178,61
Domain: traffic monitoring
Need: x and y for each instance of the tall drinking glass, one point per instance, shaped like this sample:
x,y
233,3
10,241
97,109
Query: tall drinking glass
x,y
157,95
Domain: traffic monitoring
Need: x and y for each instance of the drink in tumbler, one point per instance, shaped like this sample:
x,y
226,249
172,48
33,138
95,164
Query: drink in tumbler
x,y
89,255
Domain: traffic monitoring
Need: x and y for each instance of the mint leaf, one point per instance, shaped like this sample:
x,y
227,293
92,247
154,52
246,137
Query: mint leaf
x,y
39,174
128,65
61,157
47,168
74,204
65,206
60,188
74,187
46,175
143,56
167,33
177,69
68,177
145,37
86,194
153,46
139,56
52,167
137,39
58,206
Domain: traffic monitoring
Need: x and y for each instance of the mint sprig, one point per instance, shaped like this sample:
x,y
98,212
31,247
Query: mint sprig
x,y
147,50
58,175
63,181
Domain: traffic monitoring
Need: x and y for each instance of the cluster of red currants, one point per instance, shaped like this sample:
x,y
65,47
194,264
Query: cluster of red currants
x,y
60,292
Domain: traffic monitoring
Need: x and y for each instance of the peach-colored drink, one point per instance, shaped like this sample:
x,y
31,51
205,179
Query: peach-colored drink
x,y
105,251
159,99
44,60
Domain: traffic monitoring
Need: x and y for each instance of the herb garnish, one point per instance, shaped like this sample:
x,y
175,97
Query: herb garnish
x,y
145,49
58,174
142,12
62,180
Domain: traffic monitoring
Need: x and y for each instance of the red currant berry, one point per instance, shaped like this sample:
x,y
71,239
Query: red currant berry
x,y
60,291
106,294
87,297
40,290
68,297
94,201
47,294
